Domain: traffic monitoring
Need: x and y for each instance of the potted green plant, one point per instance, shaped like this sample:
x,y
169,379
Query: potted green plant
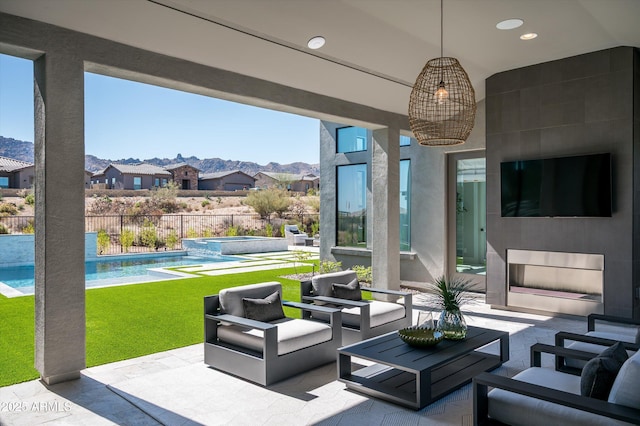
x,y
448,294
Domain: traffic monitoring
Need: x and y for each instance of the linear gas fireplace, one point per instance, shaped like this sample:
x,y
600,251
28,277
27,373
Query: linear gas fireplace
x,y
570,283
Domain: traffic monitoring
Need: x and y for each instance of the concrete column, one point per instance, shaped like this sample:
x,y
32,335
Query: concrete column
x,y
59,213
385,208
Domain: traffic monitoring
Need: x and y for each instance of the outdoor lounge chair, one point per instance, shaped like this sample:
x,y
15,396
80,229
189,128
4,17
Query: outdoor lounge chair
x,y
247,334
361,319
544,396
602,331
294,236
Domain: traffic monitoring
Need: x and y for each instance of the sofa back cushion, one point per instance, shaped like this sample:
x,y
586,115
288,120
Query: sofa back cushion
x,y
626,386
323,284
231,298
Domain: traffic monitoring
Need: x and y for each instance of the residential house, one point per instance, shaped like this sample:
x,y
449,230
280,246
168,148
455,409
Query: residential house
x,y
21,174
233,180
128,176
183,174
534,99
288,181
13,172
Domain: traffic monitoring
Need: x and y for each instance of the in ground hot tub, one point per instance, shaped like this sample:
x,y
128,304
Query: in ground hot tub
x,y
233,245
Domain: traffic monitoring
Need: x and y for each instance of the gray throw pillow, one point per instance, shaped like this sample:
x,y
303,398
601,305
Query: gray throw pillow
x,y
265,310
600,372
349,291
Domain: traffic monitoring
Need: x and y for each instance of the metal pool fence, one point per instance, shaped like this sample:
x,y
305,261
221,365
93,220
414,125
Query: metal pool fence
x,y
143,233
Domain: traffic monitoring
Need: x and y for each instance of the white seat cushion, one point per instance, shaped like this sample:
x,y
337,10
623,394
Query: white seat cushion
x,y
519,410
623,332
293,334
592,347
380,313
626,387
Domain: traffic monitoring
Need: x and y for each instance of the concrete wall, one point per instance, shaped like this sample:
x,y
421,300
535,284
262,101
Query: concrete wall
x,y
429,239
19,249
578,105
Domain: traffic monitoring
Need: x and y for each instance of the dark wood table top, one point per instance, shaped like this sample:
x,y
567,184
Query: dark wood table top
x,y
391,350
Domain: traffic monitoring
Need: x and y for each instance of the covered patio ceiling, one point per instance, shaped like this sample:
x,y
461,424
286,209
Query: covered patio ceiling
x,y
374,50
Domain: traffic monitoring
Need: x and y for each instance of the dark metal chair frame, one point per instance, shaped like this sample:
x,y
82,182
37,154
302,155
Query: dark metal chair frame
x,y
483,381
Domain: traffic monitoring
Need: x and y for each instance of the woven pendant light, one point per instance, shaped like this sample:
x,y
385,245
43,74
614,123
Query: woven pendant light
x,y
442,106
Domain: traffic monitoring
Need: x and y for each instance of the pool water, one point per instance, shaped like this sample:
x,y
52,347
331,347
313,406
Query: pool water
x,y
131,268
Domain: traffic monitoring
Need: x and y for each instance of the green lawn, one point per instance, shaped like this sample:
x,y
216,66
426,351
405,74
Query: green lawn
x,y
129,321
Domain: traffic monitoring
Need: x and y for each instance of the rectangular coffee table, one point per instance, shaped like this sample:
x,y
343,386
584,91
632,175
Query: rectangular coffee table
x,y
415,377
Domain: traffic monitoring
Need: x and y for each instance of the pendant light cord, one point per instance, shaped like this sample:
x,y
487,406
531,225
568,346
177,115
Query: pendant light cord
x,y
441,28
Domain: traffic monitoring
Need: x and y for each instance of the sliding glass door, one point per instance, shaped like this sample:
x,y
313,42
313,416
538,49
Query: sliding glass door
x,y
467,194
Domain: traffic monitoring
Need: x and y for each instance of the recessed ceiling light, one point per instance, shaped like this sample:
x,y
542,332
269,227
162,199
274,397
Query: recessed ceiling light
x,y
528,36
509,24
316,42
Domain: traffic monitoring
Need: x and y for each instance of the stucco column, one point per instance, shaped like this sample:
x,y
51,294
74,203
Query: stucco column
x,y
385,208
59,217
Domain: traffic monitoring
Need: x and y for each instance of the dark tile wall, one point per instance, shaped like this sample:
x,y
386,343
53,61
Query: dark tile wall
x,y
573,106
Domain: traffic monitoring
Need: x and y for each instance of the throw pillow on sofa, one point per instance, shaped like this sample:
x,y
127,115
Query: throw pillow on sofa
x,y
349,291
600,372
265,310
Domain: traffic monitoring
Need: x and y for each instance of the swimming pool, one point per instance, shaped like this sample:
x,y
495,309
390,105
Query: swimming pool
x,y
118,269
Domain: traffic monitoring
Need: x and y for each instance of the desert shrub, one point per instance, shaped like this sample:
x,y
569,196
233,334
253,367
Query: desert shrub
x,y
3,229
127,237
8,209
103,241
268,202
30,199
268,230
205,203
219,200
207,233
363,272
313,202
232,231
282,230
29,229
298,208
327,266
191,233
148,234
315,228
172,239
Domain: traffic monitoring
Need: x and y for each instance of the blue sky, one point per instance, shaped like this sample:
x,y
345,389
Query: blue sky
x,y
125,119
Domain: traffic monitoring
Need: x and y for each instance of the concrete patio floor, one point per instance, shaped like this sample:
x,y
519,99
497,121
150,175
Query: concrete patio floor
x,y
176,388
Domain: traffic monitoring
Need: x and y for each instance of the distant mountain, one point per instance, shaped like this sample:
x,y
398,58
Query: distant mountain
x,y
21,150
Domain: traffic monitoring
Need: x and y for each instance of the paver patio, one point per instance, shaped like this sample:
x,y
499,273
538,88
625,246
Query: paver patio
x,y
176,388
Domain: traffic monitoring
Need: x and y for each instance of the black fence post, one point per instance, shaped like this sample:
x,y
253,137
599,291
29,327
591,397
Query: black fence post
x,y
121,229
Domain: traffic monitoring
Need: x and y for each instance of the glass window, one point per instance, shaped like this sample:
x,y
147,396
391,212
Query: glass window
x,y
471,219
352,205
351,139
137,182
405,140
4,182
405,205
164,182
156,182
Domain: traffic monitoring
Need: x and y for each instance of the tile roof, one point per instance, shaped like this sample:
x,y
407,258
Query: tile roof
x,y
218,175
10,165
177,165
140,169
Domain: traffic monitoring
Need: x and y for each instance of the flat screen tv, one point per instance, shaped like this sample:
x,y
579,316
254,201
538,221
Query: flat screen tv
x,y
578,186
